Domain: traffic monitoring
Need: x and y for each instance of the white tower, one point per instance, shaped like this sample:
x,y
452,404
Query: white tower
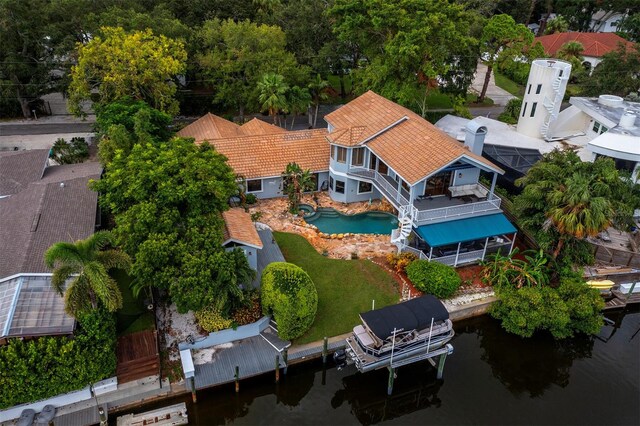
x,y
543,96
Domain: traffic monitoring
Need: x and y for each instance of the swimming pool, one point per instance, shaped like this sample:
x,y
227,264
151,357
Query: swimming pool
x,y
331,221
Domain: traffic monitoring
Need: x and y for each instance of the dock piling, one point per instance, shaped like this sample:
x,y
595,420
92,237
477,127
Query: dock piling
x,y
441,361
194,397
277,368
392,374
285,359
237,377
325,349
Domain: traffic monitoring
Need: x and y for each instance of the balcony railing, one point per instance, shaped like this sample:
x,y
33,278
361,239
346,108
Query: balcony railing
x,y
426,216
383,184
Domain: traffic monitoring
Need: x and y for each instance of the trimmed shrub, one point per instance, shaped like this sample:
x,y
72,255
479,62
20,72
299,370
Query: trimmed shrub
x,y
434,278
48,366
288,294
210,319
251,199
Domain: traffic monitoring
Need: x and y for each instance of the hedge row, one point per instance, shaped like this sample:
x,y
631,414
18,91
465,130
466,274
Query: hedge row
x,y
48,366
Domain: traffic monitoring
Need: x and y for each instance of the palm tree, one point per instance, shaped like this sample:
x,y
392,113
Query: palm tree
x,y
296,181
85,265
571,49
576,211
317,88
273,92
298,101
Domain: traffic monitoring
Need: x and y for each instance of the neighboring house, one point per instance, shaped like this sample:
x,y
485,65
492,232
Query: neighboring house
x,y
596,45
372,149
39,206
606,21
604,126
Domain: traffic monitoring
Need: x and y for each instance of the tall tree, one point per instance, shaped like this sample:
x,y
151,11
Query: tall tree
x,y
139,65
26,60
85,265
298,101
565,199
317,88
616,74
407,45
273,94
167,198
502,39
557,25
235,55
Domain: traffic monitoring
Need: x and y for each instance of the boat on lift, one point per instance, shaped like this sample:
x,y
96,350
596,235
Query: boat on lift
x,y
399,334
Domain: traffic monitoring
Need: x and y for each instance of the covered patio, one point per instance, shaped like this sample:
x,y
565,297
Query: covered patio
x,y
463,241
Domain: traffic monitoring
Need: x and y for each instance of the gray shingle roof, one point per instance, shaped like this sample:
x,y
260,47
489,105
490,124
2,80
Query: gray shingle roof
x,y
20,168
51,208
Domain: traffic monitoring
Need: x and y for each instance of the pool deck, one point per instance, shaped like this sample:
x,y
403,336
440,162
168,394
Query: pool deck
x,y
275,215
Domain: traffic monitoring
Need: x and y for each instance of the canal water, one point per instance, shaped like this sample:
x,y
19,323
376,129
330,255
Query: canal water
x,y
491,378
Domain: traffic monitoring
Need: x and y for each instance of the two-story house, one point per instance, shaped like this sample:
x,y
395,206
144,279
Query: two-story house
x,y
373,149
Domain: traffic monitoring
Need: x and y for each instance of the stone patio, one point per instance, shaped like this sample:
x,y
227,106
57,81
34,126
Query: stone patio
x,y
275,214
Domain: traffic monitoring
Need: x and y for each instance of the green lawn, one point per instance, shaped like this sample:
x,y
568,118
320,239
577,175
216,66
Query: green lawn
x,y
509,85
345,287
132,310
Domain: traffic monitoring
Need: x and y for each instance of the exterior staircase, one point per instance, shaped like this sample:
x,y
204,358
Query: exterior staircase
x,y
405,219
550,105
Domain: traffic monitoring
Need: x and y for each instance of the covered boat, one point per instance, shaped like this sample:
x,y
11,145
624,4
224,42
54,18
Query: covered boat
x,y
412,329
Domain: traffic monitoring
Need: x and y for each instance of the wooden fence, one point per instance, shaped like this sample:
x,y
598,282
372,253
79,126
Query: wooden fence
x,y
617,257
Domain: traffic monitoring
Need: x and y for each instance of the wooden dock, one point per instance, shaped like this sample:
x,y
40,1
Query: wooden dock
x,y
138,356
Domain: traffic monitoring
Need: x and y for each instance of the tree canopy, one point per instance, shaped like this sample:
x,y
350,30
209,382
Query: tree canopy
x,y
235,55
565,200
167,198
138,65
407,45
502,40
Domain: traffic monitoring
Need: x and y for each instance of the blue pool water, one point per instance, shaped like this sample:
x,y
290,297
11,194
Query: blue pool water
x,y
331,221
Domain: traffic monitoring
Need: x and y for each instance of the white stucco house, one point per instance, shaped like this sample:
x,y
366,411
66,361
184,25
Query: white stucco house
x,y
607,126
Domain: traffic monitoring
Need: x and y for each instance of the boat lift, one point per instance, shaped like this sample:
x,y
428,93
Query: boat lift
x,y
433,345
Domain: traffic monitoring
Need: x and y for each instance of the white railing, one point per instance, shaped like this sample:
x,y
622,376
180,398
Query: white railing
x,y
426,216
415,251
396,196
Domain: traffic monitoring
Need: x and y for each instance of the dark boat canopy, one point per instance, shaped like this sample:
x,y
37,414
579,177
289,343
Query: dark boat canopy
x,y
414,314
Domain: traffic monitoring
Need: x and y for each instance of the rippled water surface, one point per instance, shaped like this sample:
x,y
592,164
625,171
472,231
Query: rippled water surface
x,y
492,378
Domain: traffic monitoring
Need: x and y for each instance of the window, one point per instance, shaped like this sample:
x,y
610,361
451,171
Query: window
x,y
364,187
596,127
560,75
357,157
372,161
538,89
254,185
340,186
524,110
331,183
406,186
533,109
603,129
529,90
341,154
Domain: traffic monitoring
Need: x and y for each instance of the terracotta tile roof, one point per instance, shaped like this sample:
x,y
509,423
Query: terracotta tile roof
x,y
259,127
268,155
595,44
412,146
210,126
239,228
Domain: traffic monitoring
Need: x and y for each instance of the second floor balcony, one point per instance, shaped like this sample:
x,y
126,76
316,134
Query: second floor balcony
x,y
458,201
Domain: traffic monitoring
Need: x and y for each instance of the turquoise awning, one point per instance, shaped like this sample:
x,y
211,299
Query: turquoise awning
x,y
469,229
